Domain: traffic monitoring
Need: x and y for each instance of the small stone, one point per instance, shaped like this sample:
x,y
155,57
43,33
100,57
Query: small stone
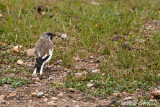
x,y
18,101
20,62
60,95
90,85
51,103
12,94
59,61
11,89
33,94
72,89
94,3
1,97
96,71
1,15
126,46
64,36
67,98
45,99
54,98
3,102
116,94
128,98
76,106
91,57
40,94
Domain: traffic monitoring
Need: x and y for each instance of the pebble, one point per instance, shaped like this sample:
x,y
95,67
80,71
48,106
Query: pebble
x,y
20,62
33,94
18,101
51,103
3,102
96,71
54,98
64,36
60,95
72,89
90,85
40,94
11,89
2,97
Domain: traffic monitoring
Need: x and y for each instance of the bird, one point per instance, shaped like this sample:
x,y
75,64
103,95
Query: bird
x,y
43,51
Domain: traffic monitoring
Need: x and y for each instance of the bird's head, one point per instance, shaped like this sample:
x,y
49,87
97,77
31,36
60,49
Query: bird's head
x,y
47,35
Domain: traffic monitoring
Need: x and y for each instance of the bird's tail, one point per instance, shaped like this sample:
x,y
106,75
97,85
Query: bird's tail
x,y
39,65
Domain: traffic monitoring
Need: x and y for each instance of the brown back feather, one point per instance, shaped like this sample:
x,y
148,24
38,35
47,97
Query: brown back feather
x,y
43,46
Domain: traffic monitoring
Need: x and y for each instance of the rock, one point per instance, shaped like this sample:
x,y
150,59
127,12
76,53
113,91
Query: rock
x,y
12,94
116,94
76,106
96,71
1,97
94,3
34,75
72,89
156,93
128,98
20,62
18,101
45,100
90,85
126,46
91,57
128,101
59,61
60,95
1,15
76,58
11,89
40,94
3,102
33,94
51,103
54,98
64,36
29,52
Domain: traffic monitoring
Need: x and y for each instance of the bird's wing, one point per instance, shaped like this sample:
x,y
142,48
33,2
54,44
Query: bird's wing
x,y
43,47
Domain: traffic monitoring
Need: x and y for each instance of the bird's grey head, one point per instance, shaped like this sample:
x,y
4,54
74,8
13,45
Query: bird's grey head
x,y
47,35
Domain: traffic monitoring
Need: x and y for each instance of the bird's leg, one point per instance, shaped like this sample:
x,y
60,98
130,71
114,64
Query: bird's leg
x,y
48,69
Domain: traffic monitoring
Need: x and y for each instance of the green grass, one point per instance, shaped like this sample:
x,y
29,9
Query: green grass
x,y
91,28
14,82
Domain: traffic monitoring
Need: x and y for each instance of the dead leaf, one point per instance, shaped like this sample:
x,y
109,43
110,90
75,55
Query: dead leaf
x,y
156,93
1,43
16,49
